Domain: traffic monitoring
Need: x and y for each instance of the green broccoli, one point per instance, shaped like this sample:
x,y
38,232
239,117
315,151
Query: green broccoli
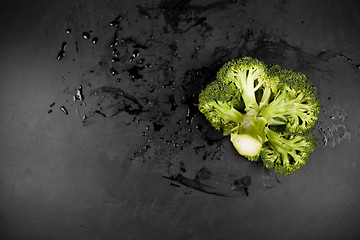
x,y
268,111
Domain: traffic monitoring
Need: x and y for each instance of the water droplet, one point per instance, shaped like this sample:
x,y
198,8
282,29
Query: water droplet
x,y
115,59
324,141
113,72
116,22
61,53
64,110
86,35
199,127
79,96
95,40
115,40
135,53
68,30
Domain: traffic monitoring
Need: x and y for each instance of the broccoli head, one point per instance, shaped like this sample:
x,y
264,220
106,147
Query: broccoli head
x,y
268,112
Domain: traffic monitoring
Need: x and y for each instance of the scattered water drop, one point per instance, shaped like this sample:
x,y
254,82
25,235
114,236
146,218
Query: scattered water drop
x,y
64,110
136,53
86,35
116,22
115,40
113,72
350,61
61,53
115,59
79,96
324,141
95,40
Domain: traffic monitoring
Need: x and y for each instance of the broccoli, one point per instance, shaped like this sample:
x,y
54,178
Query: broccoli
x,y
268,111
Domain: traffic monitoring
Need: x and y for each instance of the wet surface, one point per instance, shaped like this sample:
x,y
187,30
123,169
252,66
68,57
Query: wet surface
x,y
102,139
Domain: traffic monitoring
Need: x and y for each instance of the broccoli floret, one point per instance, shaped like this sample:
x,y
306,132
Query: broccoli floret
x,y
296,103
286,152
219,105
268,112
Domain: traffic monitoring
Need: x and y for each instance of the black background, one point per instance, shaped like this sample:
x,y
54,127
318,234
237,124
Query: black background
x,y
104,141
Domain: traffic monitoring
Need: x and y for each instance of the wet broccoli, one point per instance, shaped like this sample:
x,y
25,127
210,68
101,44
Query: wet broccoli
x,y
268,111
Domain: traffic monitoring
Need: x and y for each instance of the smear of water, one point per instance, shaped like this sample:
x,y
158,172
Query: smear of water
x,y
61,53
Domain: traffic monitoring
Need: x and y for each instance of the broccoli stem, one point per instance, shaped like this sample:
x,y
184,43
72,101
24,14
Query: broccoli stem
x,y
227,112
245,81
265,98
249,137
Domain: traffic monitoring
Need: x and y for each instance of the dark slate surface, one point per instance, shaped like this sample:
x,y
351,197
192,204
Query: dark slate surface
x,y
101,137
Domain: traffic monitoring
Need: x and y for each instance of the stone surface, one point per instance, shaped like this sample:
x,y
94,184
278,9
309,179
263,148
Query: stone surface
x,y
101,137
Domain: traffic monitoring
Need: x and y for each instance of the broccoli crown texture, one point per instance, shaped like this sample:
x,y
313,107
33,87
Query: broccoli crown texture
x,y
268,111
